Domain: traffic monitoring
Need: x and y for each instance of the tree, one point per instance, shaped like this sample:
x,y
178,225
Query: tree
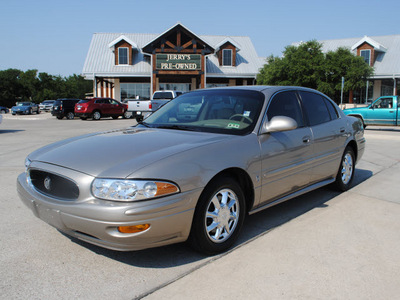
x,y
16,85
306,65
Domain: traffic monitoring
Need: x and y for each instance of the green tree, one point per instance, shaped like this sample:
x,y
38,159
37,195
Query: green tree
x,y
306,65
16,85
10,87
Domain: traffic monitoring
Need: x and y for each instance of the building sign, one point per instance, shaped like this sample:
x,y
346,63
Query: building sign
x,y
178,62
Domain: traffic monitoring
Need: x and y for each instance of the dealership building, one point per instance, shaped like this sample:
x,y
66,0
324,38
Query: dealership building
x,y
380,52
130,65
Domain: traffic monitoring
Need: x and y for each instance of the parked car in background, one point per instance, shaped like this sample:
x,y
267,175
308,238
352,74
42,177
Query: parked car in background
x,y
140,109
383,111
97,108
1,118
25,108
4,110
194,168
46,105
64,108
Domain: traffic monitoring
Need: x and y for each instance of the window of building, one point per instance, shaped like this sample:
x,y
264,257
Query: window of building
x,y
134,90
123,57
366,54
227,57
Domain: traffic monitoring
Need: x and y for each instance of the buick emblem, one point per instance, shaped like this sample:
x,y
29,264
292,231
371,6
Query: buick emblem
x,y
47,183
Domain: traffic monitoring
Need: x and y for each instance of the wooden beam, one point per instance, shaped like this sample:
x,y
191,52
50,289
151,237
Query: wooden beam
x,y
170,44
187,44
178,38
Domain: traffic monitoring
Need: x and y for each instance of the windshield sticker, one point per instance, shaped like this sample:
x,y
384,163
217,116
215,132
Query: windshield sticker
x,y
246,113
233,125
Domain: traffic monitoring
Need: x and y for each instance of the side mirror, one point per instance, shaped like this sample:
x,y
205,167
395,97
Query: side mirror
x,y
279,123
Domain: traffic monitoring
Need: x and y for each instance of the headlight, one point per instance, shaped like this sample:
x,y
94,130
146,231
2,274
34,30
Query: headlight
x,y
129,190
27,165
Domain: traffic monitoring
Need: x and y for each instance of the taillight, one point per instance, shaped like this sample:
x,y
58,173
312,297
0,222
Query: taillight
x,y
150,106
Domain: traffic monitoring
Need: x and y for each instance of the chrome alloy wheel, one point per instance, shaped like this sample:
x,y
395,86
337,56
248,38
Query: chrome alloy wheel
x,y
222,215
347,168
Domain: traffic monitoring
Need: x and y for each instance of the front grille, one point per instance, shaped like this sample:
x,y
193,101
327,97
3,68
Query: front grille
x,y
54,185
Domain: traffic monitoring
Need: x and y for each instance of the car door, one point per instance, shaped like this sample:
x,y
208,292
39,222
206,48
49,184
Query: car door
x,y
329,133
116,108
285,156
381,112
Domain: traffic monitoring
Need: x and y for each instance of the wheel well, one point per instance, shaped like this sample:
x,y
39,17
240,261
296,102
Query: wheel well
x,y
353,145
244,181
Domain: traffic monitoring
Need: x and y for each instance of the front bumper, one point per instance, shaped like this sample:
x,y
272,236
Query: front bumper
x,y
96,221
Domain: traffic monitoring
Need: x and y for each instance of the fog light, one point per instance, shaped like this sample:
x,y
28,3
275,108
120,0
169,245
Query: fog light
x,y
133,229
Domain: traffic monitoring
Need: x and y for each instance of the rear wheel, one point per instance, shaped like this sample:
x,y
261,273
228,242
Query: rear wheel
x,y
96,115
218,217
345,173
70,116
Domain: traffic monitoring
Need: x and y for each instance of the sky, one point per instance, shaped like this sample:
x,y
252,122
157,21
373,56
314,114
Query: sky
x,y
53,36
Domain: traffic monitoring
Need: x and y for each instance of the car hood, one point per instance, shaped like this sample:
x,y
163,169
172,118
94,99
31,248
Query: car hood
x,y
117,154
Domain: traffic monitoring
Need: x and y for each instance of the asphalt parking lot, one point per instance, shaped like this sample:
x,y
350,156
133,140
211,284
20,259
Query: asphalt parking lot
x,y
322,245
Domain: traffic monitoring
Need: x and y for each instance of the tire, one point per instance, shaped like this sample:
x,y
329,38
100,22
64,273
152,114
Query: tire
x,y
38,111
60,117
115,117
96,115
345,174
70,116
216,225
30,111
83,118
127,115
2,111
139,119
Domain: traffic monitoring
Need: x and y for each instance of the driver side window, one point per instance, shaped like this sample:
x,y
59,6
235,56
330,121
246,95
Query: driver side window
x,y
286,104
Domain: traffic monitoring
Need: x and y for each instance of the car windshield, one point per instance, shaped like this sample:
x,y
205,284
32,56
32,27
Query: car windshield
x,y
24,104
228,111
48,102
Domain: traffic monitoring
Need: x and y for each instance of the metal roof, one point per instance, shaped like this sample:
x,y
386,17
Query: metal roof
x,y
100,60
387,64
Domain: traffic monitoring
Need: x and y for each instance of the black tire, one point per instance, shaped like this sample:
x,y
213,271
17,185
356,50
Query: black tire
x,y
115,117
2,111
216,227
127,115
60,117
70,116
30,111
38,111
83,118
96,115
345,174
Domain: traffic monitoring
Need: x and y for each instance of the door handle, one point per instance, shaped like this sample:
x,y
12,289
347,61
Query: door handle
x,y
306,139
342,130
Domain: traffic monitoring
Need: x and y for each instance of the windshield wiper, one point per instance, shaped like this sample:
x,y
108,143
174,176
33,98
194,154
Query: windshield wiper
x,y
177,127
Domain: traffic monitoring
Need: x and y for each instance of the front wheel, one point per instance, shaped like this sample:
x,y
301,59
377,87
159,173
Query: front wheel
x,y
218,217
345,174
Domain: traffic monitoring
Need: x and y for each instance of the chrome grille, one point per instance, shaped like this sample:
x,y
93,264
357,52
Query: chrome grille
x,y
54,185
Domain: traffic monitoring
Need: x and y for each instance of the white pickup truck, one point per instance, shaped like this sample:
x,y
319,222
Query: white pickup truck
x,y
142,108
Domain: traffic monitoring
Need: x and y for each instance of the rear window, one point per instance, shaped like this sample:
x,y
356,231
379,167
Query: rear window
x,y
83,101
163,95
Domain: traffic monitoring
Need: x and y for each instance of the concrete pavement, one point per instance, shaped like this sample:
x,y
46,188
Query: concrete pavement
x,y
347,248
320,245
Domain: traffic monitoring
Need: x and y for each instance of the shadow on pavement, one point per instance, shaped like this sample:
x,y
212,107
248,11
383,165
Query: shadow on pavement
x,y
254,226
9,131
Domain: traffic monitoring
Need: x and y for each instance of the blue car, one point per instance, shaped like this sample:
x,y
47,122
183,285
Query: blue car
x,y
4,110
25,108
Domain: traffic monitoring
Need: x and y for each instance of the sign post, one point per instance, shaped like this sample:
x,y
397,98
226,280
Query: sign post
x,y
341,94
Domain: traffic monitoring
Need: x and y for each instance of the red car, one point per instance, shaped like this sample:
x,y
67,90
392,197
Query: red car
x,y
97,108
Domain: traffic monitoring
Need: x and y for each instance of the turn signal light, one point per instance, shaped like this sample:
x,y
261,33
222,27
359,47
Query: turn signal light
x,y
133,229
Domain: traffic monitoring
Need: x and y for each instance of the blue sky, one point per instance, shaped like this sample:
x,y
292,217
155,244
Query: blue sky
x,y
53,36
